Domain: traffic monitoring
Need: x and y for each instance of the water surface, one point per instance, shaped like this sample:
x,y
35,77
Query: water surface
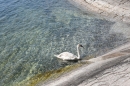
x,y
32,31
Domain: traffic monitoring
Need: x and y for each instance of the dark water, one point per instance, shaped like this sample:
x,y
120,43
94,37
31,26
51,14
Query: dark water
x,y
32,31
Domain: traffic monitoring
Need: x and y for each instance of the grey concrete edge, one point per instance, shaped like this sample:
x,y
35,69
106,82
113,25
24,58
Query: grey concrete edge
x,y
77,76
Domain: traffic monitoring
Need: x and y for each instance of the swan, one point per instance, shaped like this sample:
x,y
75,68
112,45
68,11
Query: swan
x,y
69,56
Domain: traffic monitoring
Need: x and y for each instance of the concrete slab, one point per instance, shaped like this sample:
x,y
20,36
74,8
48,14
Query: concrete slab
x,y
114,10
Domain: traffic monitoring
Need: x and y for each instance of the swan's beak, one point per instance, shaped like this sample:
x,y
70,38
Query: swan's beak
x,y
81,46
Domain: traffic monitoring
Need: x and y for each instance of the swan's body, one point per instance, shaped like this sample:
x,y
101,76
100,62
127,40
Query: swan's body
x,y
69,56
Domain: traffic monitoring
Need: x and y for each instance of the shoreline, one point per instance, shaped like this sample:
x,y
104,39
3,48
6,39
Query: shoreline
x,y
102,10
105,62
109,10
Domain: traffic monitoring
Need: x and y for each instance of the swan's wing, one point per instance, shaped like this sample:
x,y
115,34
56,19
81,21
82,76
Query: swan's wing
x,y
67,56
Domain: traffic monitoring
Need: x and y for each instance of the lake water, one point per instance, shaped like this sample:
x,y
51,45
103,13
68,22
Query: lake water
x,y
32,31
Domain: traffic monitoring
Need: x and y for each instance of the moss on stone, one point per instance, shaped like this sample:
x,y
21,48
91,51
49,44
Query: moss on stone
x,y
51,74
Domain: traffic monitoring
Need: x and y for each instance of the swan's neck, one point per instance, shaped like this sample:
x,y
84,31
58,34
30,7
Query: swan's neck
x,y
78,52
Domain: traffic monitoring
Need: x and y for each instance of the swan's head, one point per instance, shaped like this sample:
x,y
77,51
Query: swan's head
x,y
79,45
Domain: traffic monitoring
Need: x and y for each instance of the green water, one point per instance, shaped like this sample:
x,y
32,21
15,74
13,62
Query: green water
x,y
32,31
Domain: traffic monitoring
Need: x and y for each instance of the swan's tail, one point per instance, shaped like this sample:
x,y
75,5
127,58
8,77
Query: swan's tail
x,y
56,56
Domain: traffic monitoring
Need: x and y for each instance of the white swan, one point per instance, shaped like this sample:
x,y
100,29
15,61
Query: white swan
x,y
69,56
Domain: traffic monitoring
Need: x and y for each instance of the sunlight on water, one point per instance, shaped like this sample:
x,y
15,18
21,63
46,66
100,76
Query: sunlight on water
x,y
31,32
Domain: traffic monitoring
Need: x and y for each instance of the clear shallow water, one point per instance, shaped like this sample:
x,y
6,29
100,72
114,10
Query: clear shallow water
x,y
31,32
